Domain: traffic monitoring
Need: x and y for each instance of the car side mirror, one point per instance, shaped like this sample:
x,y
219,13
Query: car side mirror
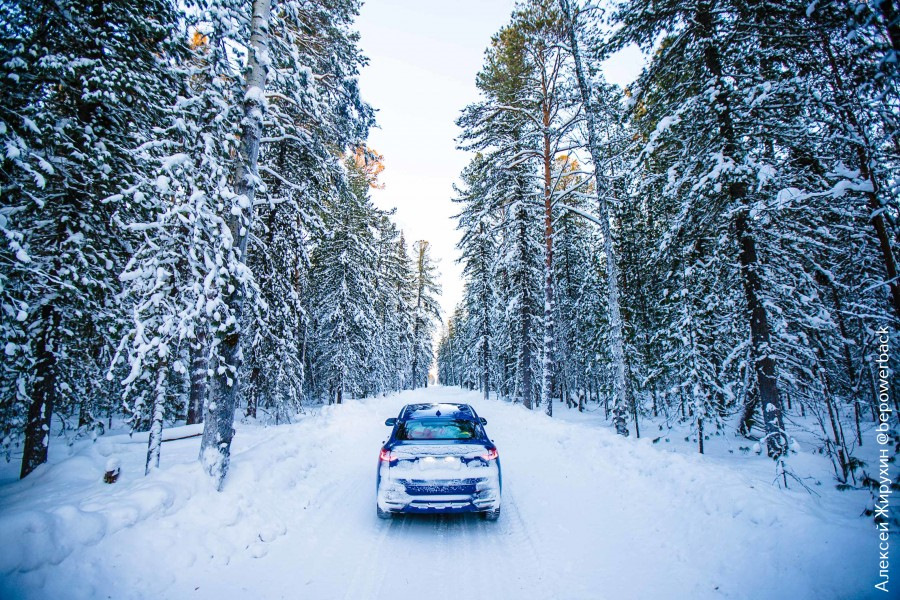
x,y
483,421
391,422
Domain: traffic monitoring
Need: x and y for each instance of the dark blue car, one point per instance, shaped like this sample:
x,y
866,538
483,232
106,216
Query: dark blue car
x,y
438,459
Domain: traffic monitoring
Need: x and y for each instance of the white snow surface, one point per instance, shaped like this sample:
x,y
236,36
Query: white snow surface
x,y
585,515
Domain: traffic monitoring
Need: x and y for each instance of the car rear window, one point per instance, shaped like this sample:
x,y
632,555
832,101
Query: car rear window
x,y
437,429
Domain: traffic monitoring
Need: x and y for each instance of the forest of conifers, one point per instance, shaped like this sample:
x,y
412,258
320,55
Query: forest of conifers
x,y
187,229
714,246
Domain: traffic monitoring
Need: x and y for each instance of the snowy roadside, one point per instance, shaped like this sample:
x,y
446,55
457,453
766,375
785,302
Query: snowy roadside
x,y
586,515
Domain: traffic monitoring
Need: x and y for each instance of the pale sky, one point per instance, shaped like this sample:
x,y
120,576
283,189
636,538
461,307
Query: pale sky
x,y
423,58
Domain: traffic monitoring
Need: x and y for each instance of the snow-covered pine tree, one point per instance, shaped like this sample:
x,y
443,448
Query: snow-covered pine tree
x,y
520,260
858,44
542,97
451,363
478,253
604,193
342,286
401,282
186,202
313,106
426,313
506,127
218,422
288,42
575,284
446,362
309,106
503,341
715,175
276,326
383,354
81,82
546,100
172,281
785,200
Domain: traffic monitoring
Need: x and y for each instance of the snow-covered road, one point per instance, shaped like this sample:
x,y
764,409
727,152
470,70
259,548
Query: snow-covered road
x,y
586,515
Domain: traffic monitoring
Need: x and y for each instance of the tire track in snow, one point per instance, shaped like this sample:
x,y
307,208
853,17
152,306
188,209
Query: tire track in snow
x,y
467,552
523,553
368,581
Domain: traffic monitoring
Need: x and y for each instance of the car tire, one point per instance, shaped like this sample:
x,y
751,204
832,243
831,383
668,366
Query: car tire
x,y
383,514
491,515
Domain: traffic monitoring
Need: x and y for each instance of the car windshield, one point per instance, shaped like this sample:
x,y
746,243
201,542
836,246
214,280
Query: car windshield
x,y
437,429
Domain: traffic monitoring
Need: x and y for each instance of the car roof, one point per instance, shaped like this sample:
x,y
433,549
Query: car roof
x,y
443,409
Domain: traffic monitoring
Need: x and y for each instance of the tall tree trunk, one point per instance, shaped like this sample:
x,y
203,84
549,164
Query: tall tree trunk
x,y
486,325
253,393
764,364
547,364
420,289
43,394
525,367
617,340
840,447
154,441
884,240
525,384
199,376
825,280
700,434
635,414
218,431
398,362
485,370
415,357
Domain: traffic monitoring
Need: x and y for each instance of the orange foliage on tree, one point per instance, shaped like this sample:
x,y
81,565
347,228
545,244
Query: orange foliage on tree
x,y
198,40
369,163
571,175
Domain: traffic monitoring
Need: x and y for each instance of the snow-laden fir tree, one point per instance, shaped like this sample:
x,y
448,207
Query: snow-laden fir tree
x,y
342,286
713,176
314,106
748,162
478,253
291,70
605,193
394,304
426,313
502,137
399,282
82,85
